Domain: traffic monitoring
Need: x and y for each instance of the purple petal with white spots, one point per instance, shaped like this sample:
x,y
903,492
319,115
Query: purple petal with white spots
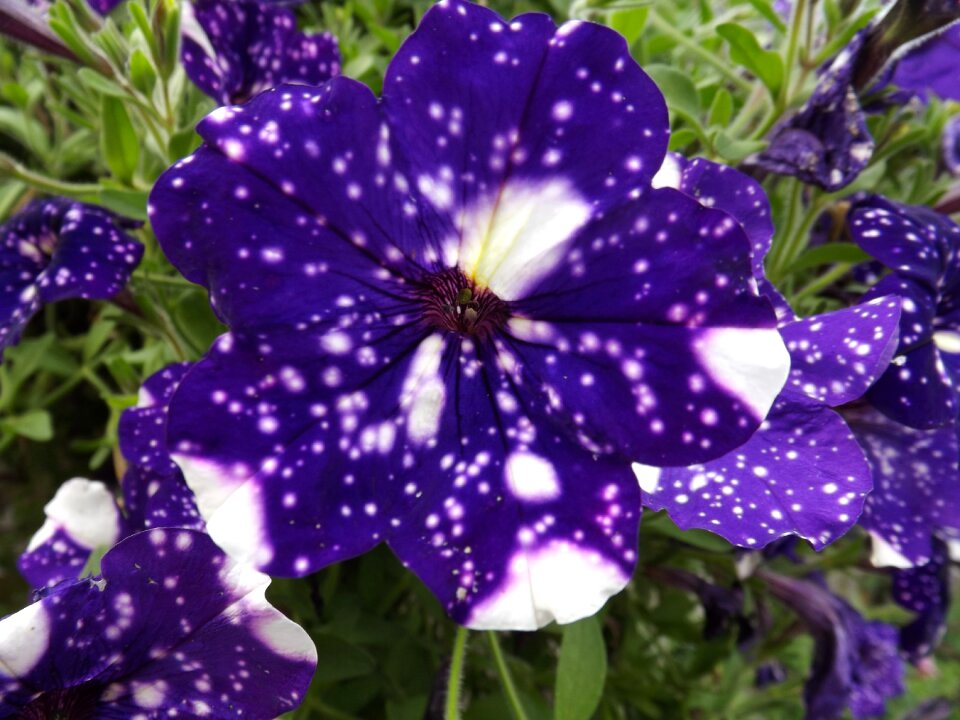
x,y
235,49
916,486
827,142
57,249
382,304
81,518
172,626
722,187
837,356
925,590
951,145
917,389
802,472
154,491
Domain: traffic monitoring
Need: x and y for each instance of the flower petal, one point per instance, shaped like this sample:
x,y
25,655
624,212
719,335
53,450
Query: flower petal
x,y
233,49
543,103
916,490
924,590
516,525
801,473
917,389
82,517
835,357
136,643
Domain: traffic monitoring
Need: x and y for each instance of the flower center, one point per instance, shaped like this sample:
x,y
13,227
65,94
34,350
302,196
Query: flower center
x,y
455,303
75,703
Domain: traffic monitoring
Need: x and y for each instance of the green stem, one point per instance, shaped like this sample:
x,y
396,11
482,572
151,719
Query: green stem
x,y
455,681
693,48
162,279
823,281
505,678
778,258
11,168
790,57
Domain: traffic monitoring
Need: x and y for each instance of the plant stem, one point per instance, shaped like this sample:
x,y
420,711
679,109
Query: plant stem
x,y
455,681
692,47
823,281
790,57
505,678
11,168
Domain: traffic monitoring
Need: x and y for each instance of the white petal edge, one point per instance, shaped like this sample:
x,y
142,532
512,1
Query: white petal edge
x,y
85,510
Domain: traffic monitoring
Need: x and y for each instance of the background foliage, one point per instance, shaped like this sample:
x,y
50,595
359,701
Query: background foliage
x,y
103,130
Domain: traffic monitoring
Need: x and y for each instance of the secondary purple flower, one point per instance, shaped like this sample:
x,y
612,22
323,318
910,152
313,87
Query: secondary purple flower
x,y
951,145
826,142
856,663
172,627
932,67
57,249
83,516
457,314
916,493
234,49
802,472
922,248
926,591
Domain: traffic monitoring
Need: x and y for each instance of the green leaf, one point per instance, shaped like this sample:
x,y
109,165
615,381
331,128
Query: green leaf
x,y
629,23
96,81
118,139
721,109
34,425
678,89
746,51
340,660
679,139
129,203
142,74
829,254
733,151
765,8
581,670
196,320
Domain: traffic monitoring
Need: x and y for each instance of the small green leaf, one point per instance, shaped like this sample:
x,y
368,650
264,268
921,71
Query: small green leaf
x,y
733,151
142,74
765,8
96,81
721,109
630,22
681,138
34,425
118,139
129,203
678,89
581,670
196,320
746,51
829,254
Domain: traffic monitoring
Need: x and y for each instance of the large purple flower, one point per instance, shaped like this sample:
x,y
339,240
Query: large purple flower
x,y
916,495
234,49
172,628
457,314
83,516
922,248
57,249
826,142
802,472
856,663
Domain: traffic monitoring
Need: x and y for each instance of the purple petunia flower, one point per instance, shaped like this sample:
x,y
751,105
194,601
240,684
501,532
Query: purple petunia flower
x,y
826,142
856,663
234,49
457,315
84,517
802,472
171,628
925,590
922,248
57,249
932,67
916,493
951,145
